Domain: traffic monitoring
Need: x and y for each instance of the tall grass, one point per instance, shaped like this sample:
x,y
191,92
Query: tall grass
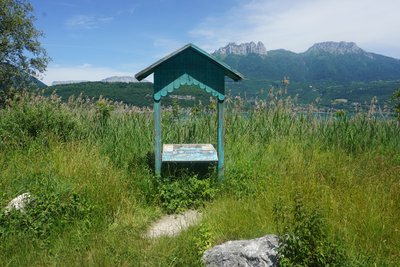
x,y
345,167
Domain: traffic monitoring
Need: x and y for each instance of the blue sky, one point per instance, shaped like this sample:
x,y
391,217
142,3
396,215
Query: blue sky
x,y
92,40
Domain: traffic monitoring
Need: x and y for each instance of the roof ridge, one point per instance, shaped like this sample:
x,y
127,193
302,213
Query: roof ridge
x,y
230,72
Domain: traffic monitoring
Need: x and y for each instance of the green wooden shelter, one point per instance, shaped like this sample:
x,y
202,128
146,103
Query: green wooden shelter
x,y
189,65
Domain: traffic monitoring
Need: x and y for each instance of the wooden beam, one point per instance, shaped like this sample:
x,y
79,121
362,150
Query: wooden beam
x,y
157,127
221,148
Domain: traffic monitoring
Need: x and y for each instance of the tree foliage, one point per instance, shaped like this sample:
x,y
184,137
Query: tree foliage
x,y
137,94
21,53
396,103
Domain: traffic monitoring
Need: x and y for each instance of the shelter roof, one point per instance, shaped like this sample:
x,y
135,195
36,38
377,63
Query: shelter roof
x,y
228,71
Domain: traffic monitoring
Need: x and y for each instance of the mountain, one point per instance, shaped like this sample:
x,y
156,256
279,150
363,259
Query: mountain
x,y
327,61
68,82
11,76
241,49
112,79
38,82
335,48
326,71
122,79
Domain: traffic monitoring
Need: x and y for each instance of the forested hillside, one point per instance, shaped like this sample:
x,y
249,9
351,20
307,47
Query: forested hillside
x,y
137,94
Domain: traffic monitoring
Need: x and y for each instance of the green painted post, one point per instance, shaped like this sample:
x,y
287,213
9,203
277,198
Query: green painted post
x,y
157,127
221,150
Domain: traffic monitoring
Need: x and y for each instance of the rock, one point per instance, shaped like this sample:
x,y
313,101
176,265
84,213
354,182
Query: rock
x,y
171,225
258,252
121,79
20,202
68,82
335,48
241,49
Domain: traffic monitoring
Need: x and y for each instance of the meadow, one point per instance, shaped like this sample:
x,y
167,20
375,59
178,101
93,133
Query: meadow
x,y
329,187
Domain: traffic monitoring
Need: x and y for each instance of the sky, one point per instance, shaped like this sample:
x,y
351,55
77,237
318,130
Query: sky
x,y
95,39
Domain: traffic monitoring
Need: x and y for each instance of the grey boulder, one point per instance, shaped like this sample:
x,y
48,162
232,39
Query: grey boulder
x,y
19,203
259,252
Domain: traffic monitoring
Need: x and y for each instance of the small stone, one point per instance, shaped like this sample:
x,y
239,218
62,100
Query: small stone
x,y
259,252
19,203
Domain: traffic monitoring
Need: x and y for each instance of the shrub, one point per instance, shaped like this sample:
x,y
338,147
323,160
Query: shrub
x,y
34,116
305,239
103,111
48,213
395,98
203,239
185,193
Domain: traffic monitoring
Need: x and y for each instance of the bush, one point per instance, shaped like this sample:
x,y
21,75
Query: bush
x,y
203,239
395,98
185,193
305,239
30,117
46,214
103,111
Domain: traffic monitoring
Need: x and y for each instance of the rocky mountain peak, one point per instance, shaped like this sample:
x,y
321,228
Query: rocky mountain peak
x,y
241,49
337,48
123,79
68,82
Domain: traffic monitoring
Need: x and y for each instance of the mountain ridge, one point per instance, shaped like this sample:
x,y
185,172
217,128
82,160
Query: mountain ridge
x,y
339,48
111,79
122,79
241,49
325,61
329,47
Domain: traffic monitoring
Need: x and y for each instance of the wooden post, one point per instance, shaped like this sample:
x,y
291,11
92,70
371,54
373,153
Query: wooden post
x,y
157,127
221,150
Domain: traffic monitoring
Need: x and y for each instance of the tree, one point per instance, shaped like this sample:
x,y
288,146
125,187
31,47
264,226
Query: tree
x,y
21,53
396,103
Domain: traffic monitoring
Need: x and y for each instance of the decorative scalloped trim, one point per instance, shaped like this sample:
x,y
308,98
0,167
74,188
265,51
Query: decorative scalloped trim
x,y
186,79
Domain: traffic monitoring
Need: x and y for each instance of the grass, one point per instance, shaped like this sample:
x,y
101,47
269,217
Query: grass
x,y
345,168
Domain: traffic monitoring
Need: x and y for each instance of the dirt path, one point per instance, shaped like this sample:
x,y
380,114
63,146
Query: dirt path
x,y
171,225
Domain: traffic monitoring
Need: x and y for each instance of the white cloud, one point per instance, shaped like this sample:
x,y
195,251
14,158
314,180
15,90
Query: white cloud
x,y
85,72
87,22
296,25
